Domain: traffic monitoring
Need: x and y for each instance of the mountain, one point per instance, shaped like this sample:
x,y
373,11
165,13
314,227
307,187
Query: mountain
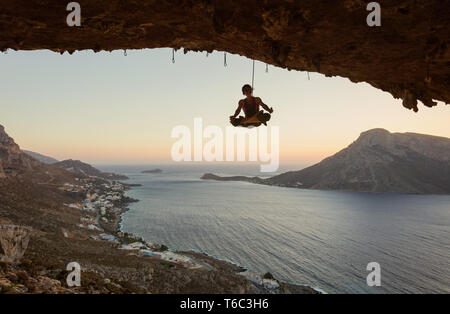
x,y
80,167
15,164
41,158
13,161
380,162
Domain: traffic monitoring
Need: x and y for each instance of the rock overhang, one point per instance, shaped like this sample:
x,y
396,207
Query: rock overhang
x,y
407,56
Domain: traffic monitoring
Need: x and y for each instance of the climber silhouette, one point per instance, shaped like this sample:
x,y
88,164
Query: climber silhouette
x,y
250,105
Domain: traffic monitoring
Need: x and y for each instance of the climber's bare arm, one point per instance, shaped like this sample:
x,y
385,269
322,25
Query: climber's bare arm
x,y
238,110
265,107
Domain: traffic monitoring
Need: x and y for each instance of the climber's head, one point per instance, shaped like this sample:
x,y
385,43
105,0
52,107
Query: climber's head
x,y
247,90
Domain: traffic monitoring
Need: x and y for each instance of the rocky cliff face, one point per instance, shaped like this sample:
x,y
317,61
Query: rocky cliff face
x,y
430,146
407,56
2,172
380,161
42,158
13,242
13,161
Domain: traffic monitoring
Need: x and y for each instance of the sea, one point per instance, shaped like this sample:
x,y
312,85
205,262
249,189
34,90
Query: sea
x,y
323,239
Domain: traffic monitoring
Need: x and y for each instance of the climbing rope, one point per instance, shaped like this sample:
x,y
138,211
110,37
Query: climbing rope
x,y
173,55
225,64
253,75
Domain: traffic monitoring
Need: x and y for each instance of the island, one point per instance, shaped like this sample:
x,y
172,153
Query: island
x,y
211,176
377,162
152,171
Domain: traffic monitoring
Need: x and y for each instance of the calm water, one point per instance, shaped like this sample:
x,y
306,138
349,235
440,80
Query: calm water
x,y
319,238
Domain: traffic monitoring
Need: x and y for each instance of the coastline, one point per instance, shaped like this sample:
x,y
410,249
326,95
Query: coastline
x,y
263,285
79,222
298,185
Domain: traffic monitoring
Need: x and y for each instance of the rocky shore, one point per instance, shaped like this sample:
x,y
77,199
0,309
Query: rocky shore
x,y
81,223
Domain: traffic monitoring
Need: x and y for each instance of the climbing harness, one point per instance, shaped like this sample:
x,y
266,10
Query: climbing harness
x,y
257,119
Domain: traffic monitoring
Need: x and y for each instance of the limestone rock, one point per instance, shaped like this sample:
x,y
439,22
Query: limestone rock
x,y
13,161
407,56
13,242
2,172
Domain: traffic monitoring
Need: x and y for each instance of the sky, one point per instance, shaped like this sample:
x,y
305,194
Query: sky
x,y
108,108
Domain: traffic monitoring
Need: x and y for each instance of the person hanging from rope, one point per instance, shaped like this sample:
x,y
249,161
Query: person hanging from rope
x,y
250,105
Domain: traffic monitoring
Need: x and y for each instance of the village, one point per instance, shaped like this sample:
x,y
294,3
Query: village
x,y
104,203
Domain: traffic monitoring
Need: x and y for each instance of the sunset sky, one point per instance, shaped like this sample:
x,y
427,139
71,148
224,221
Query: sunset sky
x,y
106,108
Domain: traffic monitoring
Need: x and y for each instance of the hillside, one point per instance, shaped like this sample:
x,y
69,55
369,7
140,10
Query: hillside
x,y
380,162
14,163
40,157
82,168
